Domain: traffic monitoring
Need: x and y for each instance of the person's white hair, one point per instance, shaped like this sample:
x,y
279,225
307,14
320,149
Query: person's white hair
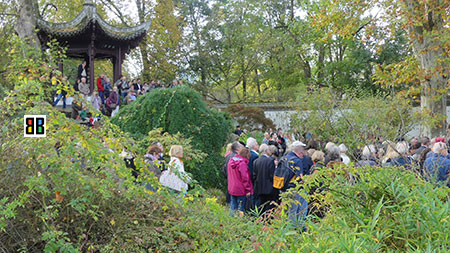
x,y
401,148
263,148
251,142
368,150
329,146
438,147
343,148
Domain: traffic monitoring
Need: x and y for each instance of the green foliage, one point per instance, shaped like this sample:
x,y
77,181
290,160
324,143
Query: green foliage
x,y
162,52
380,209
355,121
181,110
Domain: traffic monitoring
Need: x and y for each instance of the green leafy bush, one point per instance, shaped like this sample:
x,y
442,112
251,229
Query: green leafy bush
x,y
181,110
377,209
354,121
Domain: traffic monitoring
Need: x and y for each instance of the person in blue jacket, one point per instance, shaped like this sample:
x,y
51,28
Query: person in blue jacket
x,y
298,207
437,166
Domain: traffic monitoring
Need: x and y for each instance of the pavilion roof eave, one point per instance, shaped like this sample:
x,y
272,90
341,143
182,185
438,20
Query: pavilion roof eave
x,y
83,20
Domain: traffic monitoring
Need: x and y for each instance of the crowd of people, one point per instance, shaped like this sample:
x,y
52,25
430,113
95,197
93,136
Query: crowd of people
x,y
171,175
107,96
251,169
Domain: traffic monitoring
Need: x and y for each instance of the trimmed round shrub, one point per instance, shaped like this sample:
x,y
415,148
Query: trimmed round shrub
x,y
181,110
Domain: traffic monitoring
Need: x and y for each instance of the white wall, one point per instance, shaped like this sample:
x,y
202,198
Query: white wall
x,y
281,118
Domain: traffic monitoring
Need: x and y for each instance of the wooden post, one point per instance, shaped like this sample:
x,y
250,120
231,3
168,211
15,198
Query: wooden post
x,y
115,73
117,64
91,66
91,53
61,68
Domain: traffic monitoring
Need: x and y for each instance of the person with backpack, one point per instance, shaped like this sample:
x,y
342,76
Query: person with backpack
x,y
239,183
288,172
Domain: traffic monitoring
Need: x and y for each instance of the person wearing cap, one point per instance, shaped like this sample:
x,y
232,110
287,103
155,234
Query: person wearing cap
x,y
305,162
296,155
298,208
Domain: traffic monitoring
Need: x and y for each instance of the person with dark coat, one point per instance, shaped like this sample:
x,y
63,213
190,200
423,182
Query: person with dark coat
x,y
307,164
252,144
263,171
137,86
425,143
238,131
112,101
282,142
82,72
273,140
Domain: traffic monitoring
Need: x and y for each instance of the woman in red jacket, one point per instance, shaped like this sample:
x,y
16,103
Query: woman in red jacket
x,y
239,183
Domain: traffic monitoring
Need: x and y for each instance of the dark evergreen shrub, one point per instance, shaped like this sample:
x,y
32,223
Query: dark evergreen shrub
x,y
182,110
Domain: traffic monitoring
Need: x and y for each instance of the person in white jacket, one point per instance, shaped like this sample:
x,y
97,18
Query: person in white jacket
x,y
175,177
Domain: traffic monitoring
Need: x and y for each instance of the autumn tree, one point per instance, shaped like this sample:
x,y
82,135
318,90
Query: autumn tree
x,y
426,22
28,12
164,40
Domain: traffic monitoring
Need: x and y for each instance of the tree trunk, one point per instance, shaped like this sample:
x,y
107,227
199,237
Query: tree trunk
x,y
434,93
427,34
320,65
258,84
26,22
244,86
146,75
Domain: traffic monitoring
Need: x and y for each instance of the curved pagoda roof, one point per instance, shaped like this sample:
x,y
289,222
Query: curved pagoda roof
x,y
89,22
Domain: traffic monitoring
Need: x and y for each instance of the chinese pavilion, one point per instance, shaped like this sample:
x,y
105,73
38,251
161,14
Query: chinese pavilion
x,y
88,36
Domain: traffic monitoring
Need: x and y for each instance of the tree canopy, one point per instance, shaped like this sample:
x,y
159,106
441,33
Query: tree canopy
x,y
235,51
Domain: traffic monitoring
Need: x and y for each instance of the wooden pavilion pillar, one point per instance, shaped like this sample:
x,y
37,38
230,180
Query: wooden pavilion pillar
x,y
91,54
61,68
117,64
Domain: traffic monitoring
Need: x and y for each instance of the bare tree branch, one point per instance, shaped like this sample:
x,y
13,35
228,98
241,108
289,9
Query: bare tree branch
x,y
46,7
111,6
